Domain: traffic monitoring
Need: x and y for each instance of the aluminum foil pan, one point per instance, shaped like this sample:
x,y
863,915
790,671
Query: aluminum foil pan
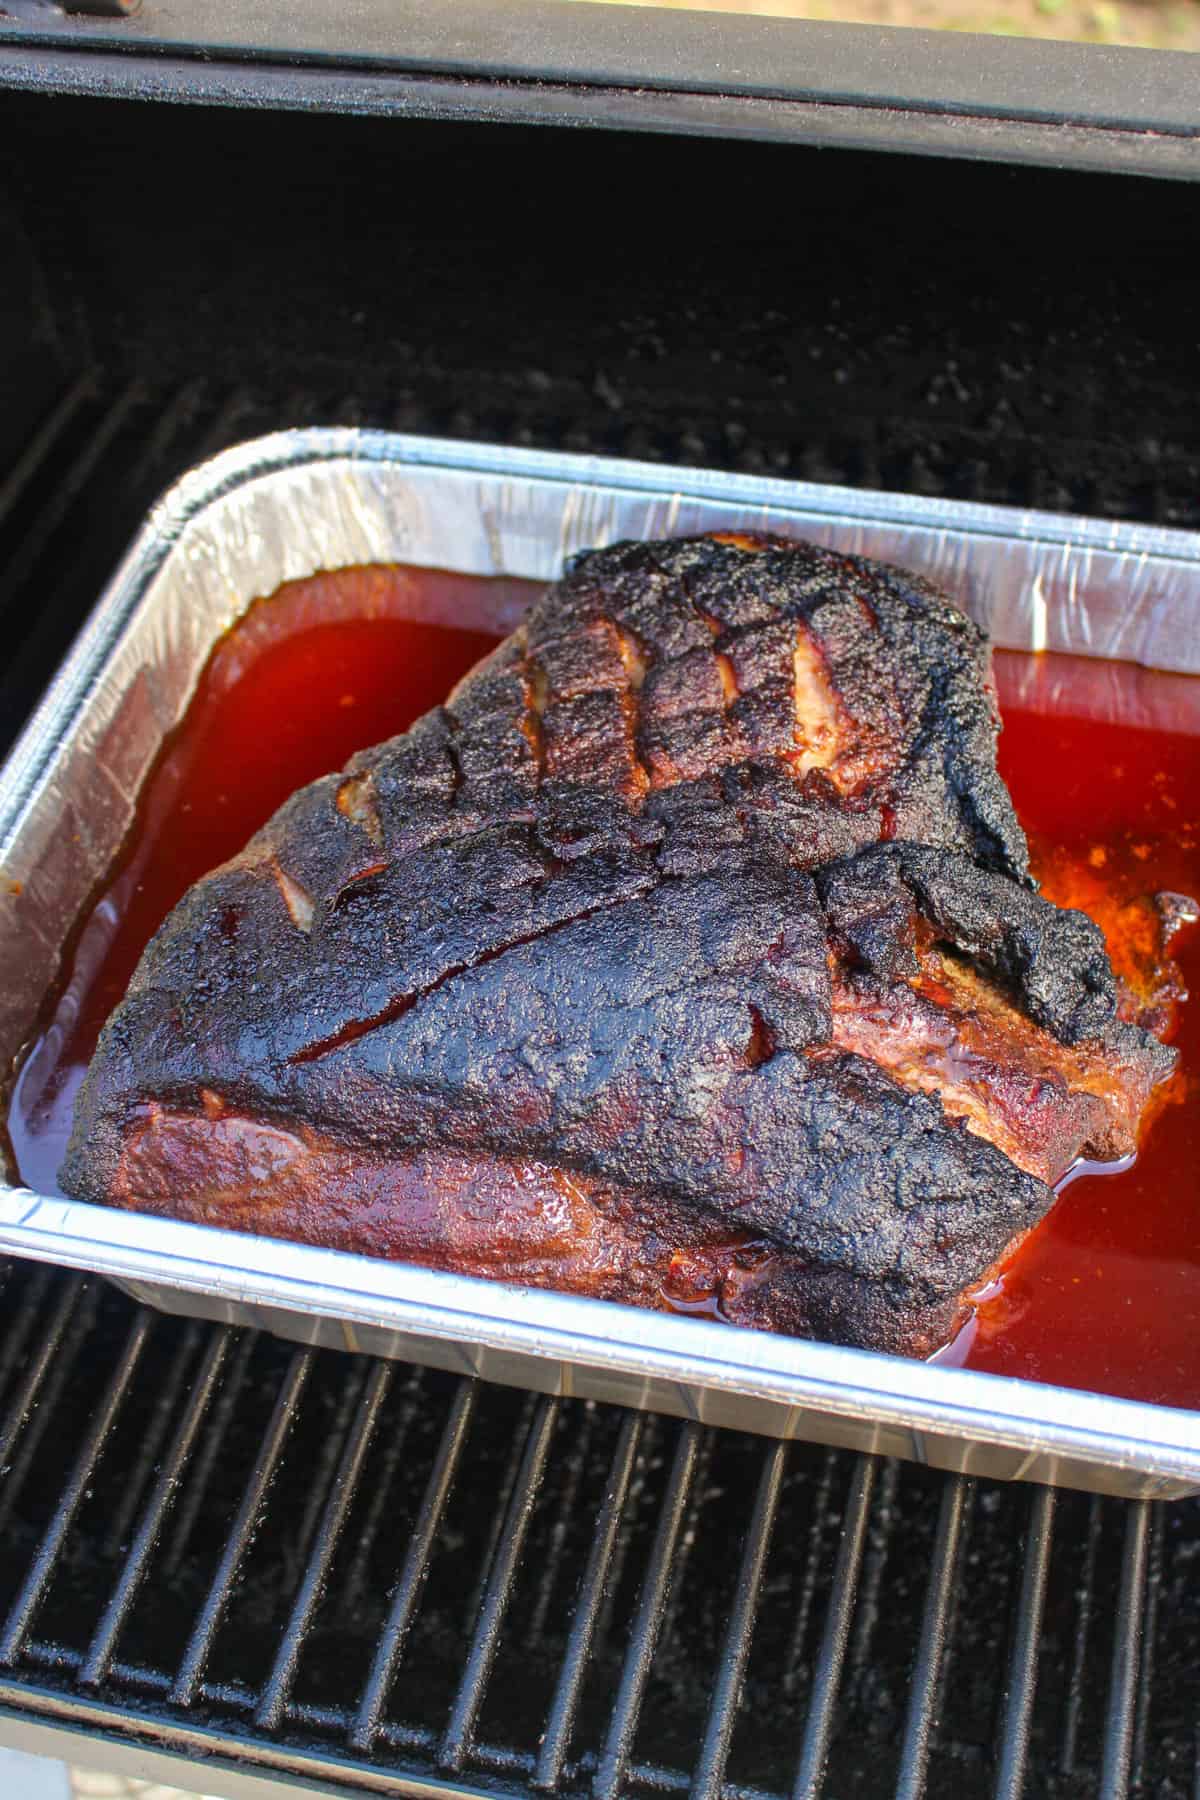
x,y
297,502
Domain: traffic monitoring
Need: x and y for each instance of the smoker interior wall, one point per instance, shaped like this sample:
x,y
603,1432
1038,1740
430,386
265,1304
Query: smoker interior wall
x,y
961,327
33,359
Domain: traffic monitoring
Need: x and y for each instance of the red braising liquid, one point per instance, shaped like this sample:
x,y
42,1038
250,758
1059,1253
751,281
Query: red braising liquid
x,y
323,668
1104,1295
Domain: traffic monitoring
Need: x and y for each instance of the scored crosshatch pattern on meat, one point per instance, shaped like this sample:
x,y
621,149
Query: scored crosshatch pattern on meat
x,y
687,955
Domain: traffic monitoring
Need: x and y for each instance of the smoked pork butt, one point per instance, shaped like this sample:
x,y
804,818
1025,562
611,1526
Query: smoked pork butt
x,y
687,956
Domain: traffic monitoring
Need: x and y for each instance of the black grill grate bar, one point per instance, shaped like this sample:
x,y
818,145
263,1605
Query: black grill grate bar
x,y
818,1728
67,490
234,1698
593,1587
643,1637
498,1512
207,1453
368,1531
316,1769
183,1689
206,1457
953,1605
345,1485
135,1678
655,1779
714,1751
685,1543
1022,1664
34,1586
933,1642
649,1778
13,1347
42,443
35,1373
320,1484
463,1714
156,1422
653,1431
1122,1686
1145,1686
579,1443
41,1404
407,1592
812,1566
874,1562
1085,1600
99,1654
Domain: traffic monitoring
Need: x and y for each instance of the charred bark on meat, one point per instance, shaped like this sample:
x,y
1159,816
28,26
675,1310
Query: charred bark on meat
x,y
695,930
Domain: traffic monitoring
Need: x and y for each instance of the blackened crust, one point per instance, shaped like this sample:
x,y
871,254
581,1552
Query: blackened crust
x,y
600,912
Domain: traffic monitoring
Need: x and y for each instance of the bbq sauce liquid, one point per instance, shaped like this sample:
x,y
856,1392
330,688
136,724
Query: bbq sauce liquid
x,y
1105,1294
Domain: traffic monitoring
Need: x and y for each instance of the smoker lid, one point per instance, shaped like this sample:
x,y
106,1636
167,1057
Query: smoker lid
x,y
927,92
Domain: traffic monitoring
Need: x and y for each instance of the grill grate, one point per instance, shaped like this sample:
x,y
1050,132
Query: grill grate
x,y
222,1587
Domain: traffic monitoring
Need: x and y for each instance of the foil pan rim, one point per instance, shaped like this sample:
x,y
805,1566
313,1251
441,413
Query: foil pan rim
x,y
1120,1434
211,480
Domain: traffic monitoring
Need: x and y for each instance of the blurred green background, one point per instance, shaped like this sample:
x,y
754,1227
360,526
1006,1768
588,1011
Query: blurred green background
x,y
1154,24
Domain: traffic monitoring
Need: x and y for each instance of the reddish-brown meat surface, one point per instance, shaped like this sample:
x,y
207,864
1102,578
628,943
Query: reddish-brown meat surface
x,y
687,956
